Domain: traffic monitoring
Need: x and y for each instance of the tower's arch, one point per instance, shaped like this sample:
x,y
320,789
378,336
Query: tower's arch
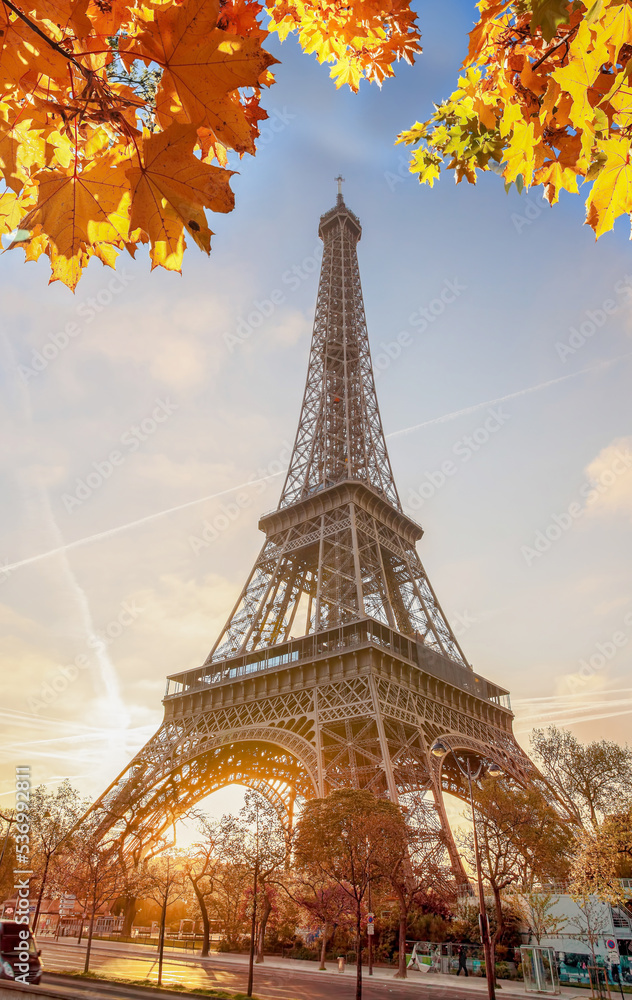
x,y
337,666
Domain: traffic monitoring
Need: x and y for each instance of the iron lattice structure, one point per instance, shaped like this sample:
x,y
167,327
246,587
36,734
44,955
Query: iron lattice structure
x,y
337,667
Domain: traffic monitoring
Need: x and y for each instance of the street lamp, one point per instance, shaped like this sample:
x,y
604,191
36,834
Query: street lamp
x,y
494,770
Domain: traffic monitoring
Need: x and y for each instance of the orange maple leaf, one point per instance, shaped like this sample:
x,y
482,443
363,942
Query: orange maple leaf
x,y
62,14
203,69
20,51
78,209
170,190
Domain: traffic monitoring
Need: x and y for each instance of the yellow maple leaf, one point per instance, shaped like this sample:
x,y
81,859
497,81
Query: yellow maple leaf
x,y
586,57
22,144
520,153
611,194
170,191
556,177
615,27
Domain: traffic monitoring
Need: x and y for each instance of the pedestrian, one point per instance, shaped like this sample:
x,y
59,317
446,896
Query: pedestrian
x,y
612,960
462,960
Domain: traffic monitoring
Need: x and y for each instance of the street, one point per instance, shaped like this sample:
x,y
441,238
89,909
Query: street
x,y
271,983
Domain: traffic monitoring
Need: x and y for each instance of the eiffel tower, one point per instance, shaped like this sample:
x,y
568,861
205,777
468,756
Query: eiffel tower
x,y
337,666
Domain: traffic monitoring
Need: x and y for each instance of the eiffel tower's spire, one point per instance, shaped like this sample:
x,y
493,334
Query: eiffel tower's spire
x,y
338,548
340,432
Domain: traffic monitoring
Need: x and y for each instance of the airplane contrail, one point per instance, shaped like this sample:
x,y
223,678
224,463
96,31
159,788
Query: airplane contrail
x,y
503,399
9,567
109,532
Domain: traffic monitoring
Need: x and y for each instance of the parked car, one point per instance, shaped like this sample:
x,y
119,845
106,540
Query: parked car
x,y
19,954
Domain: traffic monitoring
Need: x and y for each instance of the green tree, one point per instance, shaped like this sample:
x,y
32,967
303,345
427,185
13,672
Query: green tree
x,y
325,902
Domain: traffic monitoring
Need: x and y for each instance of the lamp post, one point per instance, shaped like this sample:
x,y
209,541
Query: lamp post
x,y
370,928
440,749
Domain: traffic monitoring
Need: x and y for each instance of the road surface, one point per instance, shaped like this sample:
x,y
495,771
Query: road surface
x,y
270,983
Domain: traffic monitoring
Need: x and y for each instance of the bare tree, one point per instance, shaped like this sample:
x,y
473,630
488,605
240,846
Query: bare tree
x,y
593,779
417,869
521,841
165,885
52,817
88,869
536,910
8,854
257,842
202,865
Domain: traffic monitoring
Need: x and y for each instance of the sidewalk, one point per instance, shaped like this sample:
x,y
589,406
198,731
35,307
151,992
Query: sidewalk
x,y
476,986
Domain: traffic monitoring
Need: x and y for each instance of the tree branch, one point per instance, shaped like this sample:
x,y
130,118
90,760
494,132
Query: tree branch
x,y
49,41
553,48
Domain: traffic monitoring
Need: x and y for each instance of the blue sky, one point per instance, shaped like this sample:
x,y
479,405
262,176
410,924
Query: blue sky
x,y
154,350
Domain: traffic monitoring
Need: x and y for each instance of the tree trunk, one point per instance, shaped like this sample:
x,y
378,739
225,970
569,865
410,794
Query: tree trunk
x,y
358,954
206,929
129,912
89,948
161,940
266,908
253,925
500,924
41,894
323,949
401,956
83,917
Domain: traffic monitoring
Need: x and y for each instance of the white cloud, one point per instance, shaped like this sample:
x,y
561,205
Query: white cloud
x,y
611,472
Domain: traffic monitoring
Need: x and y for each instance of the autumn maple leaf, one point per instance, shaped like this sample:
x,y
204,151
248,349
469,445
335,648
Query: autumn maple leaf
x,y
169,191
